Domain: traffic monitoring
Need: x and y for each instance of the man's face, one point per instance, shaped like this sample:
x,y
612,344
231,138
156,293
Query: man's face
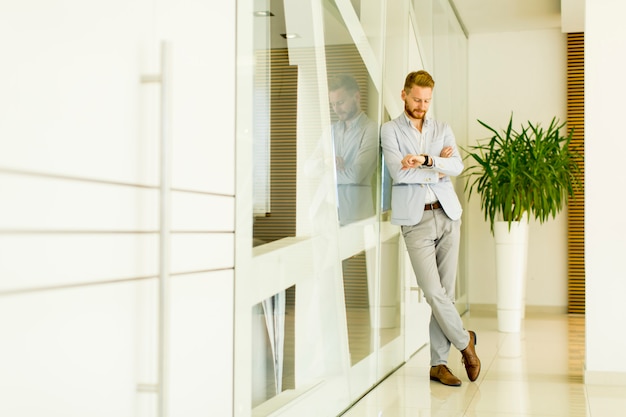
x,y
344,104
417,101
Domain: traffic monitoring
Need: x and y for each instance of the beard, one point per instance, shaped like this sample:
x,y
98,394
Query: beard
x,y
347,115
415,114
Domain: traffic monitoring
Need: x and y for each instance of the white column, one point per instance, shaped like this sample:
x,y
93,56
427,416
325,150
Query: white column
x,y
605,147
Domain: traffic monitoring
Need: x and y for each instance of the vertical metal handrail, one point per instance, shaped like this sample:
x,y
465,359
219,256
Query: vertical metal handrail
x,y
165,187
164,230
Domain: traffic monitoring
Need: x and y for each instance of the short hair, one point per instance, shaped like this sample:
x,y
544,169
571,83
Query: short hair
x,y
418,78
346,81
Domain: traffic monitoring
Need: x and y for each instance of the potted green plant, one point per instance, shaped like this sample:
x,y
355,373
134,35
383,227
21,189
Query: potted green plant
x,y
519,174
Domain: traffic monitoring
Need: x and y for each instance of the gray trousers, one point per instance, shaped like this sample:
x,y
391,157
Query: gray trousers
x,y
433,247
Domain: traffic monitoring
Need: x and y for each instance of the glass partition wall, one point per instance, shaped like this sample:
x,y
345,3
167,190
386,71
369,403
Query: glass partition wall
x,y
323,294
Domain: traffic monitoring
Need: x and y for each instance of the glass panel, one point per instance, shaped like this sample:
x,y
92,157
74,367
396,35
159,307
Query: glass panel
x,y
355,145
450,62
356,4
261,117
390,291
358,301
386,182
273,347
296,240
371,18
353,103
275,113
312,83
424,24
354,113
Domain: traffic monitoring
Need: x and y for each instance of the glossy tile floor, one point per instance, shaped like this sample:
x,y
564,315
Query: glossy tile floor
x,y
536,373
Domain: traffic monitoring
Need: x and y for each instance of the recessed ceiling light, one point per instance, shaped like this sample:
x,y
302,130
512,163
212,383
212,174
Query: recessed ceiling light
x,y
289,35
263,13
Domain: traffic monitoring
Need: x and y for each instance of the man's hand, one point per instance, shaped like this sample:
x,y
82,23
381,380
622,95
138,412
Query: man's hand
x,y
412,161
446,152
339,164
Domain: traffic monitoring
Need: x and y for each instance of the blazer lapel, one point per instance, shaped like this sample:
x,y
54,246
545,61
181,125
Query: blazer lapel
x,y
409,136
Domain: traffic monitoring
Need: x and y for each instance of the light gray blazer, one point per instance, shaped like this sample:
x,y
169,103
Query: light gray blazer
x,y
408,194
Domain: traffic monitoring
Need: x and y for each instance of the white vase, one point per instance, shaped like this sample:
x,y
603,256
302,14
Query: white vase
x,y
511,266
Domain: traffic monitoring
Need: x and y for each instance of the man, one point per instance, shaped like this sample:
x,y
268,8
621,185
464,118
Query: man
x,y
421,155
355,143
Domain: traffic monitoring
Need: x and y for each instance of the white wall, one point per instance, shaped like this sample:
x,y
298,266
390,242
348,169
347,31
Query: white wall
x,y
79,212
605,146
523,73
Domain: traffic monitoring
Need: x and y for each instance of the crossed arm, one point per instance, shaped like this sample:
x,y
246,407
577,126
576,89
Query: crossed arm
x,y
415,161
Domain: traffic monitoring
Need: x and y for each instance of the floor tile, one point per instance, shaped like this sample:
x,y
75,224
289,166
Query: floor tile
x,y
606,401
535,373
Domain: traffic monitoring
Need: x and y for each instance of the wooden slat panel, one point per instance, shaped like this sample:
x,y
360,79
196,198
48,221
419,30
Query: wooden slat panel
x,y
576,208
357,306
280,221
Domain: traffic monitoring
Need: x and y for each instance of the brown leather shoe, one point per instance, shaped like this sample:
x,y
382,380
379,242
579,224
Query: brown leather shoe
x,y
443,374
470,359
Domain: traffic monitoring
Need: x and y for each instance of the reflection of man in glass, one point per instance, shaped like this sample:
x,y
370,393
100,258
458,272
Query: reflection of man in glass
x,y
355,142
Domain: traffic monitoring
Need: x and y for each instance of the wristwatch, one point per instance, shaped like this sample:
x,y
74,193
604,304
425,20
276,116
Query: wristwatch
x,y
426,160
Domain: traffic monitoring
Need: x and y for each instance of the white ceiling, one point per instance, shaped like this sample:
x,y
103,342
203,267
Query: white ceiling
x,y
484,16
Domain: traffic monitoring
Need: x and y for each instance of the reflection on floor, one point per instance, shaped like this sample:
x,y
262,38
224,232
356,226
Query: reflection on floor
x,y
537,373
